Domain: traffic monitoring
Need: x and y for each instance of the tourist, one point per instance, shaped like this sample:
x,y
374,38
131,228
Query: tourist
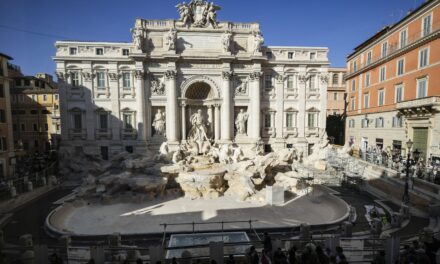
x,y
267,242
279,257
322,257
252,256
340,257
265,259
293,258
309,255
230,259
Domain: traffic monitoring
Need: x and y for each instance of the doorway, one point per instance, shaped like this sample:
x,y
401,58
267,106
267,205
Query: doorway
x,y
420,138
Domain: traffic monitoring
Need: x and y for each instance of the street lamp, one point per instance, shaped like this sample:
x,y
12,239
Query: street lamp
x,y
405,197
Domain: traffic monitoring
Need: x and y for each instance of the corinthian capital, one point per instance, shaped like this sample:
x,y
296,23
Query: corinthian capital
x,y
255,76
279,78
302,78
87,75
324,78
170,74
139,74
227,75
114,76
62,76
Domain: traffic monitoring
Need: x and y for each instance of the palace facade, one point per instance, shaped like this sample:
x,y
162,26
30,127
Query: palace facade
x,y
135,96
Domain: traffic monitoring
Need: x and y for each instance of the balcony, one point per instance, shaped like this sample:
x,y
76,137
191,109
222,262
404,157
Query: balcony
x,y
420,107
312,131
77,133
128,133
290,132
396,49
103,133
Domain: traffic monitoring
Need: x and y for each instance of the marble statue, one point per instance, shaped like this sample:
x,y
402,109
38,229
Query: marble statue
x,y
170,39
185,13
198,130
237,155
159,123
258,42
240,122
225,154
226,41
137,38
198,13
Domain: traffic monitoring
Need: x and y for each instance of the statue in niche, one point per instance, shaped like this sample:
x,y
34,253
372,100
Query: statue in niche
x,y
258,42
159,123
226,41
240,122
157,87
197,133
170,39
137,37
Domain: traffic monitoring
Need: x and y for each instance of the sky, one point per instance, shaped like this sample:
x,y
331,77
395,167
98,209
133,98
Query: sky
x,y
29,28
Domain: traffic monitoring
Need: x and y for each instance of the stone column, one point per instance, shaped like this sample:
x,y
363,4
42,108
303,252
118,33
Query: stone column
x,y
89,94
302,122
183,105
216,122
279,119
171,106
140,104
226,107
254,127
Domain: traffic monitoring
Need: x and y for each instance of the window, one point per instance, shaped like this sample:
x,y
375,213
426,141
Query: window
x,y
353,85
267,120
44,97
312,82
290,55
397,121
75,78
335,79
426,25
128,120
398,93
35,127
77,121
351,123
18,82
269,54
4,145
422,87
27,82
20,98
126,80
125,52
34,97
45,112
354,65
403,37
103,121
23,127
14,127
73,51
366,100
2,116
2,91
384,49
369,57
381,97
34,112
100,79
312,55
367,79
99,51
423,57
364,123
383,74
352,103
268,81
311,120
290,120
400,67
55,96
335,96
379,122
46,127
